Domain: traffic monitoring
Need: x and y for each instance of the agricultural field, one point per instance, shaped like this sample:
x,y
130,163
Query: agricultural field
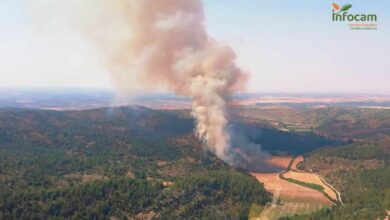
x,y
360,171
288,208
342,123
151,161
280,161
289,198
296,162
310,178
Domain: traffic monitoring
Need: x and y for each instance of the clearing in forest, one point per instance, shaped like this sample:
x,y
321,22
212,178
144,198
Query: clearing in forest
x,y
289,198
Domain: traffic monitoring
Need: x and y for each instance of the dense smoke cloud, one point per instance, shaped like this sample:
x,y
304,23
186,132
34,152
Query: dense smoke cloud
x,y
166,45
163,44
246,153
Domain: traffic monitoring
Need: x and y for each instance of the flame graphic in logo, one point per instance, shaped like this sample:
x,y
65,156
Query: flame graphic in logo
x,y
335,7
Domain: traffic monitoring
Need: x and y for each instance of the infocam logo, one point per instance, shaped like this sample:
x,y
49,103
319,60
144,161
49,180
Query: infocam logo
x,y
341,14
355,21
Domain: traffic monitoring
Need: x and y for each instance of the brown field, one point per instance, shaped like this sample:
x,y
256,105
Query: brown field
x,y
296,161
310,178
288,208
294,199
280,161
307,99
287,190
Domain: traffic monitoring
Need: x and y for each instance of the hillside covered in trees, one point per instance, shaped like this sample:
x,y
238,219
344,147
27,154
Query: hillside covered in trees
x,y
133,163
120,163
362,173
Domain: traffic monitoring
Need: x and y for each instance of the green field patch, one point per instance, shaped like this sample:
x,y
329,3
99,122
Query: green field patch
x,y
305,184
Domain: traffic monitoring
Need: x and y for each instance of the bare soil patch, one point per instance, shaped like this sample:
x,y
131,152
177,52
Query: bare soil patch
x,y
280,161
297,160
287,190
310,178
289,198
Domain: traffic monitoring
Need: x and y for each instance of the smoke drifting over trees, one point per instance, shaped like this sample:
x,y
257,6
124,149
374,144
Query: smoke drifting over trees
x,y
162,44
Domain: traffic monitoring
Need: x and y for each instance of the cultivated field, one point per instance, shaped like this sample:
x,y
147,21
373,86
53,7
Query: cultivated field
x,y
310,178
289,207
297,160
280,161
289,198
286,190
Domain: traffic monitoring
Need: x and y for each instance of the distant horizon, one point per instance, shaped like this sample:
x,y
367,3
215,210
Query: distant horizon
x,y
286,47
113,91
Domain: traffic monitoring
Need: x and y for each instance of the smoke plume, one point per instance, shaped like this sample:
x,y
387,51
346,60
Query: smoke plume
x,y
163,44
246,153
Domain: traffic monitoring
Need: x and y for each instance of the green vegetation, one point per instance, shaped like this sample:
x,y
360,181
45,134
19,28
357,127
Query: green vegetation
x,y
195,196
137,163
366,196
356,123
308,185
348,123
292,143
366,130
209,188
375,149
123,163
365,189
305,184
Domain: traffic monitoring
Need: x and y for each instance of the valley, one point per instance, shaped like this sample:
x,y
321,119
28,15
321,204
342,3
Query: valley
x,y
194,110
151,160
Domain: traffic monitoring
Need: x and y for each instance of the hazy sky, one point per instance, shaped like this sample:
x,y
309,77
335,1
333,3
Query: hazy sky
x,y
286,46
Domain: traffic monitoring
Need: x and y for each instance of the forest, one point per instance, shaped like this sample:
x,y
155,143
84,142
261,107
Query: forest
x,y
121,164
134,163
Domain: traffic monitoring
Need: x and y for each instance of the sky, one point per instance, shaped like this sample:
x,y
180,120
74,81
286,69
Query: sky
x,y
285,46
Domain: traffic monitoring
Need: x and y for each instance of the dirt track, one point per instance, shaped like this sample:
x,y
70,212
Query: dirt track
x,y
294,198
310,178
285,189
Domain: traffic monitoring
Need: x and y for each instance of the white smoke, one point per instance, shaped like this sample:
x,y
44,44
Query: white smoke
x,y
162,44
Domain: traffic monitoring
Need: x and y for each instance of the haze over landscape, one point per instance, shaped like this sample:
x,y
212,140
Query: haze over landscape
x,y
193,109
317,56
